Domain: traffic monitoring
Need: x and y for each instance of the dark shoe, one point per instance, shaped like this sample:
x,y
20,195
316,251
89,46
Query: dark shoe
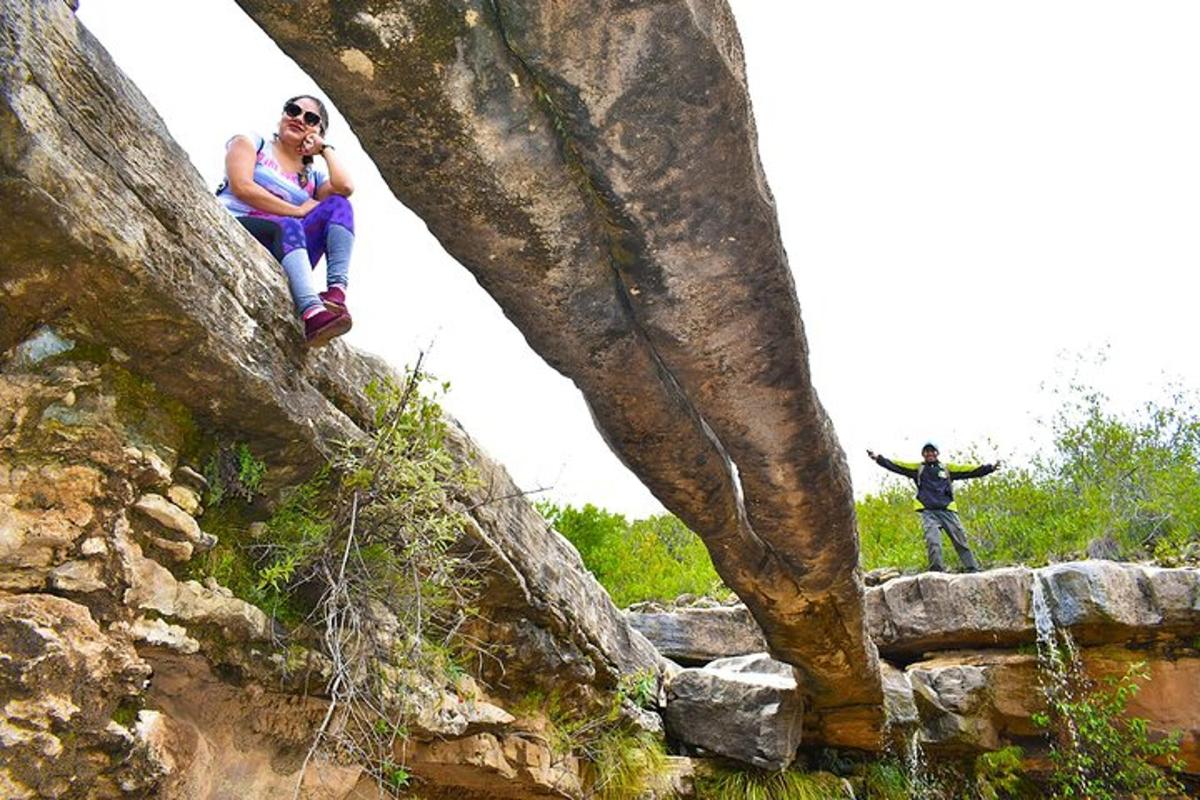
x,y
334,298
323,326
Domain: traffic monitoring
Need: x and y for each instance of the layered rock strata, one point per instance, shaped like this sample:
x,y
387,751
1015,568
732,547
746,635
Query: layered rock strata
x,y
1099,602
594,165
963,673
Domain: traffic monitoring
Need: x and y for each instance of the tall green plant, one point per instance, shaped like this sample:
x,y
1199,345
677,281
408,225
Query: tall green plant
x,y
1098,752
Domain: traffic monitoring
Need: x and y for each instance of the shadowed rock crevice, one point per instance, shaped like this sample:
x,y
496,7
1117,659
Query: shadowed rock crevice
x,y
551,145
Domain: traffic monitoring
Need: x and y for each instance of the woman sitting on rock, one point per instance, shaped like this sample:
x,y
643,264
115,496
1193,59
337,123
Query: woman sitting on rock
x,y
298,212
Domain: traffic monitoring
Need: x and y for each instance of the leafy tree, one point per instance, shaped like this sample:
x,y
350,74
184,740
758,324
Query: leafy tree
x,y
656,558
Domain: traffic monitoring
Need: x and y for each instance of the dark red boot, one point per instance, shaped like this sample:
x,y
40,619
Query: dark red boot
x,y
324,326
334,298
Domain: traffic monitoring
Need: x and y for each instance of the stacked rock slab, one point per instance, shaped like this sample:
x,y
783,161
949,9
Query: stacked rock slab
x,y
135,315
594,165
962,671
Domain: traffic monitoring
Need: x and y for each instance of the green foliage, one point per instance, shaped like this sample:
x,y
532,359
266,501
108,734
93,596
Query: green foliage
x,y
1128,483
233,470
362,554
723,783
885,780
998,776
624,763
640,688
250,470
1098,752
656,558
621,761
260,570
395,776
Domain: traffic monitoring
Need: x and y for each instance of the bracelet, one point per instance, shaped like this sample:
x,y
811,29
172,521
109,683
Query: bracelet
x,y
325,147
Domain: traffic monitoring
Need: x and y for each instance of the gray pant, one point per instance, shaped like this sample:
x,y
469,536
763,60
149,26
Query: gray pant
x,y
934,522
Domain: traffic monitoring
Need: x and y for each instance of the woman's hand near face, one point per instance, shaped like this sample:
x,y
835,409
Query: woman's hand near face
x,y
239,167
311,145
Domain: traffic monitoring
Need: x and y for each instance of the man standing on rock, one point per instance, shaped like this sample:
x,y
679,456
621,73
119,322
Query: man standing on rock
x,y
935,501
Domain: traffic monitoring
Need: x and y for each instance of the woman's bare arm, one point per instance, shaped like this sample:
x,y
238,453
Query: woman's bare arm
x,y
239,166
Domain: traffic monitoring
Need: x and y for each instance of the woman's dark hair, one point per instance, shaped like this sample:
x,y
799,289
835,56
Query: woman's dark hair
x,y
324,114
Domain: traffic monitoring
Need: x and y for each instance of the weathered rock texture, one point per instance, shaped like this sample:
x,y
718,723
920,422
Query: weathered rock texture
x,y
972,691
973,701
1097,601
137,318
594,165
746,708
696,636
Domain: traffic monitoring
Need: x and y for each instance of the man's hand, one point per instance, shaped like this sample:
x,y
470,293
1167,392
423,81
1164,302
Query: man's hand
x,y
997,465
871,454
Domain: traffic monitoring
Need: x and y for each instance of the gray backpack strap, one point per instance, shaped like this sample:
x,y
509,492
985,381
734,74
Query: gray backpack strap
x,y
225,182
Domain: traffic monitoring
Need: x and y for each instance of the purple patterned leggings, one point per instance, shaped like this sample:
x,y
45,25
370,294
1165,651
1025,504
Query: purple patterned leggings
x,y
310,235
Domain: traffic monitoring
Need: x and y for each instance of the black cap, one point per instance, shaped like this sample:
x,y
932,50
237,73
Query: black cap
x,y
929,446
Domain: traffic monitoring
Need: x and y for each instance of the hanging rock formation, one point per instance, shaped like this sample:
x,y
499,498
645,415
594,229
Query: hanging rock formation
x,y
594,165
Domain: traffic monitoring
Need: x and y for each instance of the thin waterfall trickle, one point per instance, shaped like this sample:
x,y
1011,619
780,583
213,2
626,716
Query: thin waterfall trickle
x,y
1058,661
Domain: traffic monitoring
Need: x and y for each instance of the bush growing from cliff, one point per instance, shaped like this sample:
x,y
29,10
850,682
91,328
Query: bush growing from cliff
x,y
1099,752
361,558
620,760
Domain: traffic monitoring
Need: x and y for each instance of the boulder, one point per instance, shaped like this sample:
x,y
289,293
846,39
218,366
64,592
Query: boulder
x,y
696,636
746,708
497,766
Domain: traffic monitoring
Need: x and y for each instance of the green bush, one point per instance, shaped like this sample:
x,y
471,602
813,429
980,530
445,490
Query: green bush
x,y
724,783
620,760
1098,752
649,559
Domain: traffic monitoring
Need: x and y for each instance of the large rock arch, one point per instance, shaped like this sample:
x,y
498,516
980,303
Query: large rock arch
x,y
594,164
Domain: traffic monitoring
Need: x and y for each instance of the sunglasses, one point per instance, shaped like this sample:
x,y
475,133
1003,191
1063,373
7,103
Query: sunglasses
x,y
310,118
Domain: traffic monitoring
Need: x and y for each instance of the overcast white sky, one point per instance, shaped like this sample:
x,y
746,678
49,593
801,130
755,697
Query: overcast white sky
x,y
967,190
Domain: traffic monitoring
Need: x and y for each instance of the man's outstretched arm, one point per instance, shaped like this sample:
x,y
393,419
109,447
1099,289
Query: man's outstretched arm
x,y
960,472
898,467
